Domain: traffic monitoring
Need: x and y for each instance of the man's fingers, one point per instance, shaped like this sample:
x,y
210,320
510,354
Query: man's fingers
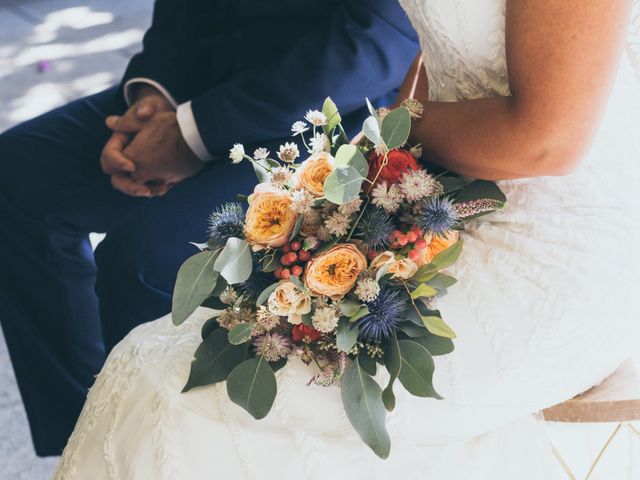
x,y
112,160
126,184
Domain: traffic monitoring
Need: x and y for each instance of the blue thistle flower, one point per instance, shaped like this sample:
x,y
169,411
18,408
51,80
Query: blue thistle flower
x,y
375,228
225,222
385,313
436,215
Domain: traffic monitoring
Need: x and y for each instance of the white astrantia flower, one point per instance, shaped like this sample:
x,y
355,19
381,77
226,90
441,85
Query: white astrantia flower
x,y
288,152
319,143
367,289
338,224
298,128
416,109
315,117
236,153
301,201
418,184
416,151
261,153
324,235
281,177
350,208
228,296
389,199
325,319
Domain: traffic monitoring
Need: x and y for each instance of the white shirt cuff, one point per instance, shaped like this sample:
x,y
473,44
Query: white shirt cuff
x,y
190,133
128,90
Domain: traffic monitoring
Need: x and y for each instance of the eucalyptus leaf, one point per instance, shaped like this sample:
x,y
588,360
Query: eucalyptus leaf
x,y
330,111
393,362
234,262
350,155
362,400
214,359
209,327
361,312
196,279
252,385
371,130
372,109
416,373
349,306
275,366
264,296
241,333
346,335
367,363
396,127
343,185
262,170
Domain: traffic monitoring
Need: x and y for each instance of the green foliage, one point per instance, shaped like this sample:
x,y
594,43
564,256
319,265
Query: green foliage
x,y
234,262
343,185
480,190
214,359
196,279
371,130
241,333
350,156
362,400
264,296
252,385
438,327
424,291
416,372
393,362
436,345
396,127
443,260
346,335
330,110
367,363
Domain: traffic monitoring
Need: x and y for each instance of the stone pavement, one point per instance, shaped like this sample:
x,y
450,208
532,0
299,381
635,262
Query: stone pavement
x,y
53,51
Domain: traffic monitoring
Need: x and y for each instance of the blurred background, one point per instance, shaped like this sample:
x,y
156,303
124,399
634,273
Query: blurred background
x,y
54,51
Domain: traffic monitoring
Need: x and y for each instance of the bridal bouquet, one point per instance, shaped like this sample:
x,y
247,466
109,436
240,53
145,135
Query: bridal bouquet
x,y
338,257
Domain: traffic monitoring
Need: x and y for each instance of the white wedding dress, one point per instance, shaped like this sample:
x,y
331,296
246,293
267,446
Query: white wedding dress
x,y
546,306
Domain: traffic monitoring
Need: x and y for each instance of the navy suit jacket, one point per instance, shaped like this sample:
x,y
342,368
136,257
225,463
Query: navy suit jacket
x,y
252,67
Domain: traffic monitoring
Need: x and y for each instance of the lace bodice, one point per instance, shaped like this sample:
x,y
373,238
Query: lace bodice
x,y
463,44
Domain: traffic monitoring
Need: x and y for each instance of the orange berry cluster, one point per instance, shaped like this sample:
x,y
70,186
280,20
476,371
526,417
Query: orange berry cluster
x,y
411,241
292,261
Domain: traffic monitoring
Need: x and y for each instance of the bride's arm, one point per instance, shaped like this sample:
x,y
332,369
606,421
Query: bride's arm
x,y
562,57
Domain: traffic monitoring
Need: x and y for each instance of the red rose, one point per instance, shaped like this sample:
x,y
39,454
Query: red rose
x,y
398,162
301,332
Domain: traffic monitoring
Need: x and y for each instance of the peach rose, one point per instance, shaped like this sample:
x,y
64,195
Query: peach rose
x,y
289,301
335,272
435,245
385,258
314,171
269,220
403,269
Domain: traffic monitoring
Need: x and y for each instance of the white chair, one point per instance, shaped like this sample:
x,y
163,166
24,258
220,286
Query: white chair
x,y
616,400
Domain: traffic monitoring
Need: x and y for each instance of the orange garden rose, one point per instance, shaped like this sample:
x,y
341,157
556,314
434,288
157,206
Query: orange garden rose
x,y
314,171
335,272
435,245
269,220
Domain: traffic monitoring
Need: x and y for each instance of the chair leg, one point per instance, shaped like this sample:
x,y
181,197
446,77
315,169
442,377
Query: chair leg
x,y
562,463
603,450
